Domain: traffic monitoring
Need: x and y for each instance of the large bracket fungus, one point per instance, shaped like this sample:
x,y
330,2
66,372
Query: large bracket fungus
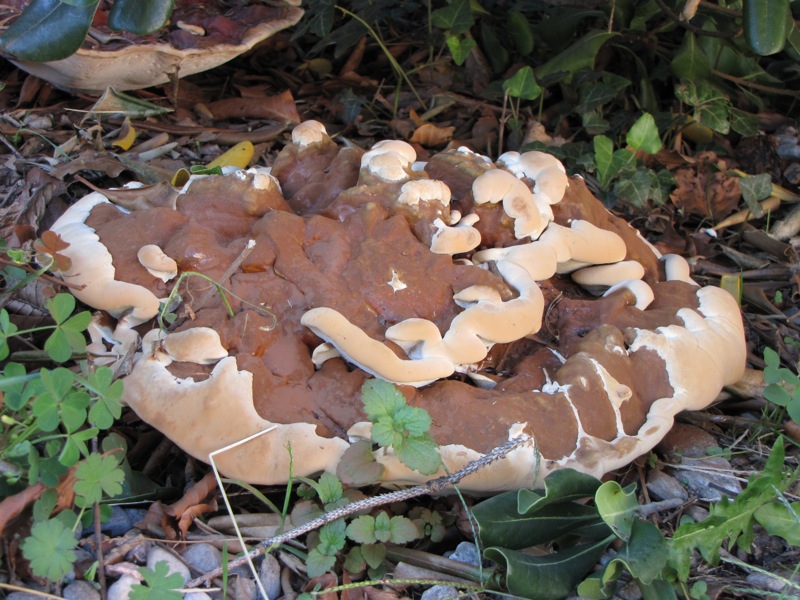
x,y
501,298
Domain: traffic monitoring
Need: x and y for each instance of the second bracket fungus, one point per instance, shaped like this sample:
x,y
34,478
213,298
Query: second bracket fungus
x,y
501,298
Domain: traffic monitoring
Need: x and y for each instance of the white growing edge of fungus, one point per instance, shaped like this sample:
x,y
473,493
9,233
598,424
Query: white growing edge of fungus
x,y
701,356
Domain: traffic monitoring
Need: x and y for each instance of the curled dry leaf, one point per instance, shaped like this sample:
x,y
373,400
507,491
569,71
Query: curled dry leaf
x,y
703,190
281,108
429,134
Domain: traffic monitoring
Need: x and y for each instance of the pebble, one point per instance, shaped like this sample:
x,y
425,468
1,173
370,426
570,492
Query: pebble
x,y
117,524
709,478
665,487
440,592
158,554
244,589
196,596
80,590
121,588
22,596
466,552
269,571
203,557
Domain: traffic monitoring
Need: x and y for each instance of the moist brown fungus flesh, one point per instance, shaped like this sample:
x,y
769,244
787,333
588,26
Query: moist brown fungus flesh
x,y
452,279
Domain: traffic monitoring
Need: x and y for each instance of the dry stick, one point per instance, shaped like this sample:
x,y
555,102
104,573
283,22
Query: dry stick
x,y
431,487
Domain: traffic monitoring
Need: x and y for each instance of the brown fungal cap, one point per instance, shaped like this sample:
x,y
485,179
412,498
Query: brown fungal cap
x,y
360,289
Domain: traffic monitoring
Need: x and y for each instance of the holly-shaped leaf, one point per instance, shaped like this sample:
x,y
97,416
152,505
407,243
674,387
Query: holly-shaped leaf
x,y
50,548
96,476
158,584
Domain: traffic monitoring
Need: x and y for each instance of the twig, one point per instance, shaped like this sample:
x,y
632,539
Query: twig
x,y
229,272
694,28
431,487
756,86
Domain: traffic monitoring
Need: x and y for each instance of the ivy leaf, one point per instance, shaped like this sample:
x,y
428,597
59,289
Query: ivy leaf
x,y
603,157
756,188
96,476
643,135
159,584
690,61
50,548
456,17
459,47
522,85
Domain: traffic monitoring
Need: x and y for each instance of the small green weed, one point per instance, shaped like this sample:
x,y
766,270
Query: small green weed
x,y
783,386
53,416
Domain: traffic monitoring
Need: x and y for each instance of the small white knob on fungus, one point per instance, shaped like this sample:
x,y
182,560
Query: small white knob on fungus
x,y
158,264
309,132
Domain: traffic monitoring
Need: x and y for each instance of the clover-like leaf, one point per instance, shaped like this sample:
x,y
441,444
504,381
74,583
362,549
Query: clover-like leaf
x,y
98,475
50,548
159,584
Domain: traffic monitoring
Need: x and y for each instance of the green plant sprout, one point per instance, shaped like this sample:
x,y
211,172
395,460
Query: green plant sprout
x,y
167,315
783,386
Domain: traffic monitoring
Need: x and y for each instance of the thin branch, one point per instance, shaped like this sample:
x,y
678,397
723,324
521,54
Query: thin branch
x,y
433,486
756,86
694,28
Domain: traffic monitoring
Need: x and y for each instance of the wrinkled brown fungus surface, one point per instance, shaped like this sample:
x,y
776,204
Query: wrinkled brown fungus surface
x,y
490,347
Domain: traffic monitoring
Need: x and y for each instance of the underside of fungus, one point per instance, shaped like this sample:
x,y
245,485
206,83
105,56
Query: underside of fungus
x,y
503,298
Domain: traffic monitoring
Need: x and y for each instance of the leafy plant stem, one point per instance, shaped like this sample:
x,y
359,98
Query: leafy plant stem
x,y
441,564
431,487
389,56
98,534
756,86
360,584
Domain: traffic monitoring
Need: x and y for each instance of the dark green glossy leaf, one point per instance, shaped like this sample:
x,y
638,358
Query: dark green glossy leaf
x,y
48,30
493,48
579,55
456,17
560,486
522,85
459,47
500,524
139,16
520,31
550,577
690,61
643,135
766,23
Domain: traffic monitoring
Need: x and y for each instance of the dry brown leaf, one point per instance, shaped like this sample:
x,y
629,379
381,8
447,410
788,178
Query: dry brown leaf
x,y
197,494
328,580
281,108
12,507
432,135
704,190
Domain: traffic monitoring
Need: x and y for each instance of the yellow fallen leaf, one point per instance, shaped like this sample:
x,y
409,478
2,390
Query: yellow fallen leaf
x,y
238,156
733,285
126,137
745,215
